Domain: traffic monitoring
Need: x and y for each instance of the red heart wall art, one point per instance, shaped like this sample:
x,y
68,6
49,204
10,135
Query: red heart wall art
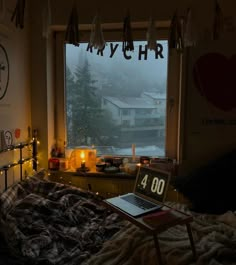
x,y
17,133
215,77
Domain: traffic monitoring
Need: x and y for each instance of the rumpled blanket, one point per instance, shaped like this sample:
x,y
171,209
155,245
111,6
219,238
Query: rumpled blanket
x,y
214,236
44,222
49,223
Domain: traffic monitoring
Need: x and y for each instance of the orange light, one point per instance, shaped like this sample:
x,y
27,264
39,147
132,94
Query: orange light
x,y
82,155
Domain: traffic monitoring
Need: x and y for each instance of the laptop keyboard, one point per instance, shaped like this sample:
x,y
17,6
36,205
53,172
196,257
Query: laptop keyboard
x,y
139,202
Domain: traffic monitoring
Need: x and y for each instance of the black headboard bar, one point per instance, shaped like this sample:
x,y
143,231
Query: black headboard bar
x,y
21,160
5,173
21,163
35,150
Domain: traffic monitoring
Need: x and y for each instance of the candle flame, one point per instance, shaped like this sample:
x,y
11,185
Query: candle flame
x,y
82,155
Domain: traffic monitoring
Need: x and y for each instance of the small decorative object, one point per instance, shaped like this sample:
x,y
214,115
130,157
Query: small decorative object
x,y
63,164
111,169
17,133
72,30
151,35
100,166
117,161
131,168
218,22
128,44
145,160
108,160
175,37
83,167
133,153
96,38
8,138
83,159
18,14
189,37
53,163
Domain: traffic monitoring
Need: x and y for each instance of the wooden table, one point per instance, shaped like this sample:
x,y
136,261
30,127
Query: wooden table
x,y
159,221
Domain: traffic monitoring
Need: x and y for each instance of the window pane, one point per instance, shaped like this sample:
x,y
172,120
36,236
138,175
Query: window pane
x,y
115,100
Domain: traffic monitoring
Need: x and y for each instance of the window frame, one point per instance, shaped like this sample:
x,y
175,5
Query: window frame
x,y
174,103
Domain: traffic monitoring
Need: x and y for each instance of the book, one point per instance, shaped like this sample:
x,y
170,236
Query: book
x,y
162,218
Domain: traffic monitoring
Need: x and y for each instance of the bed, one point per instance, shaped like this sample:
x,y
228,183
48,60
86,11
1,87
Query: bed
x,y
44,222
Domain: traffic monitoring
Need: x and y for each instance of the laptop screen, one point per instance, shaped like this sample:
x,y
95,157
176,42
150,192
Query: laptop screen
x,y
152,183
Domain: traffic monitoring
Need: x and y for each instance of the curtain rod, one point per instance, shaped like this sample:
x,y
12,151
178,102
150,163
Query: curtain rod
x,y
116,26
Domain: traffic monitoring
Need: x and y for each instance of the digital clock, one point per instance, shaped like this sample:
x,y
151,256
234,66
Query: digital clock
x,y
152,183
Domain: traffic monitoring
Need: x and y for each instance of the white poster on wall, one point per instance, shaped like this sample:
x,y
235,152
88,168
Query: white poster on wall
x,y
211,88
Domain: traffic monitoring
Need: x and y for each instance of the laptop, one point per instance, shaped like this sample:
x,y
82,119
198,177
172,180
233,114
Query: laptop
x,y
148,195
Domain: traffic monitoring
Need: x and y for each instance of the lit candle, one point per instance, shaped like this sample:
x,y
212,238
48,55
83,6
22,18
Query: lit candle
x,y
82,156
133,152
83,164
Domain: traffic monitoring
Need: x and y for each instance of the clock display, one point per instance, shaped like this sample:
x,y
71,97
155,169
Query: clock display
x,y
4,72
152,183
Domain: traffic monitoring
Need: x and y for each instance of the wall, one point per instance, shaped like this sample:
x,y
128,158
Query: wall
x,y
43,91
15,107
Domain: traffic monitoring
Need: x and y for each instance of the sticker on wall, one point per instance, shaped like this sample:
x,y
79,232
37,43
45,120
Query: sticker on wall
x,y
8,137
17,133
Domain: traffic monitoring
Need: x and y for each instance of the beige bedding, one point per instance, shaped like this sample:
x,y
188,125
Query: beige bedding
x,y
214,235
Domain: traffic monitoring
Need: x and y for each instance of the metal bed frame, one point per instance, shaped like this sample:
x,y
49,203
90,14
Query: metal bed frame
x,y
21,160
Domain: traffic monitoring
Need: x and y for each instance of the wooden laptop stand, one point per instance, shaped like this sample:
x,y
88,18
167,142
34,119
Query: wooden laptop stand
x,y
157,222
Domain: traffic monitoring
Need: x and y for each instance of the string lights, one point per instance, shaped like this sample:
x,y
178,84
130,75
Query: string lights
x,y
22,160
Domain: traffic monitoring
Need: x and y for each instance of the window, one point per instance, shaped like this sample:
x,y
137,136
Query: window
x,y
125,123
125,100
125,112
130,84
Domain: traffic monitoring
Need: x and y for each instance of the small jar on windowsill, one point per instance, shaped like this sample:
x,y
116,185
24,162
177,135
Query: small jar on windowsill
x,y
100,166
53,163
